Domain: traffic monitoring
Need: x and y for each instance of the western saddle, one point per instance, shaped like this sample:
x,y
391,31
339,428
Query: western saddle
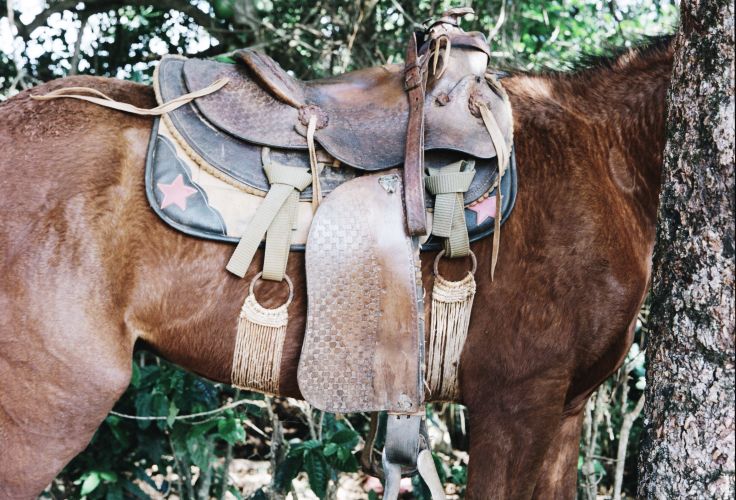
x,y
372,143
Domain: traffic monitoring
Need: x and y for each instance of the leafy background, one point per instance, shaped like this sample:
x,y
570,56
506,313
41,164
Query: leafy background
x,y
176,435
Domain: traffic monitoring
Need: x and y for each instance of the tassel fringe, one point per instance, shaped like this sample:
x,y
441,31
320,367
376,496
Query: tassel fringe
x,y
258,346
452,303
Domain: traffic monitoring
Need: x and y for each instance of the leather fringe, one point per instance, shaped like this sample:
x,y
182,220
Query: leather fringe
x,y
452,303
258,346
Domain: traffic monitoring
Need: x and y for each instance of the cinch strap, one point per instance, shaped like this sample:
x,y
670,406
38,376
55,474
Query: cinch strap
x,y
448,185
277,215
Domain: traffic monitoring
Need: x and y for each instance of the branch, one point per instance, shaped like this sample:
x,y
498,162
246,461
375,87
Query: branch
x,y
78,47
623,443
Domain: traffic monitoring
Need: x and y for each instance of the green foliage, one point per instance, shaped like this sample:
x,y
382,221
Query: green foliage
x,y
125,454
312,39
321,459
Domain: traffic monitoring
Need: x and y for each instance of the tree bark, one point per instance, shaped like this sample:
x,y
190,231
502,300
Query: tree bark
x,y
688,442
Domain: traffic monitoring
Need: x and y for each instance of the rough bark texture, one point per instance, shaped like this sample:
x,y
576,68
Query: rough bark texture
x,y
688,444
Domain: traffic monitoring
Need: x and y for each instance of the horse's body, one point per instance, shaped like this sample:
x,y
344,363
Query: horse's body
x,y
88,269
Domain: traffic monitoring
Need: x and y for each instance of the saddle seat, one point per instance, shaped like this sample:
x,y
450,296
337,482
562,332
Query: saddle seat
x,y
362,116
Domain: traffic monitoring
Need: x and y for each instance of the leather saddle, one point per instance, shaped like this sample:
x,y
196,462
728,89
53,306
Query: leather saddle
x,y
362,115
363,348
363,121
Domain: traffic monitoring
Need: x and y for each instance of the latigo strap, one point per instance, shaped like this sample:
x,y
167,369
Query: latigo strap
x,y
416,218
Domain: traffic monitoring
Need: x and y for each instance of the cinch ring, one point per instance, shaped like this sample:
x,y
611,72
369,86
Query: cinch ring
x,y
442,252
288,282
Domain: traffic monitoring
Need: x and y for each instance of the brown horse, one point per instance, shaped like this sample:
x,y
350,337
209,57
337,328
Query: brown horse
x,y
88,270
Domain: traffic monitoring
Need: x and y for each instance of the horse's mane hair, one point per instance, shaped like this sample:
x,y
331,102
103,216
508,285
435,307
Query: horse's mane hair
x,y
613,59
618,57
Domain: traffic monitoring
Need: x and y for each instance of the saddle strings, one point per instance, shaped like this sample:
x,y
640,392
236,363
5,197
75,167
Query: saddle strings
x,y
502,153
314,165
108,102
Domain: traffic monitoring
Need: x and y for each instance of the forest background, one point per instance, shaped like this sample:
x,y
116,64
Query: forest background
x,y
245,445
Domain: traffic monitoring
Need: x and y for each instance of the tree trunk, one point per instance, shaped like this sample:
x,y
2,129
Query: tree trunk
x,y
688,442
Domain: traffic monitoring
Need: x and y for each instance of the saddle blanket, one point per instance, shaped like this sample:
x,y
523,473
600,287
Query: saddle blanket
x,y
198,199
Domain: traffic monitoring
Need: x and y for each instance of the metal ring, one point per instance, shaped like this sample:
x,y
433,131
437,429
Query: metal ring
x,y
288,282
442,253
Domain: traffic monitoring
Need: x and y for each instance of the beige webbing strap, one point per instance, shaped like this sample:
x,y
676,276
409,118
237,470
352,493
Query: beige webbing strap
x,y
108,102
448,185
278,239
502,153
279,206
313,164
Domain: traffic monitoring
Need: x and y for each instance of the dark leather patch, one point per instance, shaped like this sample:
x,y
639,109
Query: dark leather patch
x,y
190,214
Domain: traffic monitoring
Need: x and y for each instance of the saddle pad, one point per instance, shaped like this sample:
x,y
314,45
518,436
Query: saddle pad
x,y
363,346
209,201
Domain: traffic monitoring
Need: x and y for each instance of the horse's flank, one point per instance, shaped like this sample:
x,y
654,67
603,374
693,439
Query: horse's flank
x,y
88,270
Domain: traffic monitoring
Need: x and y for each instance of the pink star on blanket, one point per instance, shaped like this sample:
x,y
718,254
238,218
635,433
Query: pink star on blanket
x,y
486,209
176,193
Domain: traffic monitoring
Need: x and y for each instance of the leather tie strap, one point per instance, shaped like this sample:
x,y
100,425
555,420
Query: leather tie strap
x,y
108,102
416,217
448,185
502,153
277,216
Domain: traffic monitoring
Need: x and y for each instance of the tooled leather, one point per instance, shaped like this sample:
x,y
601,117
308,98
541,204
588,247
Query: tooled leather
x,y
366,111
362,341
242,108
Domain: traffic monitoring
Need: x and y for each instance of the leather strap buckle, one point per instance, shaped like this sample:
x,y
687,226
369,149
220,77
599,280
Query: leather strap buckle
x,y
412,76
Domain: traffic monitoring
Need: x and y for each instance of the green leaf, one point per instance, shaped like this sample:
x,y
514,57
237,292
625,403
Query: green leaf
x,y
345,437
135,376
108,476
331,449
231,430
318,471
350,464
143,408
288,470
173,412
91,482
311,444
201,429
199,448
